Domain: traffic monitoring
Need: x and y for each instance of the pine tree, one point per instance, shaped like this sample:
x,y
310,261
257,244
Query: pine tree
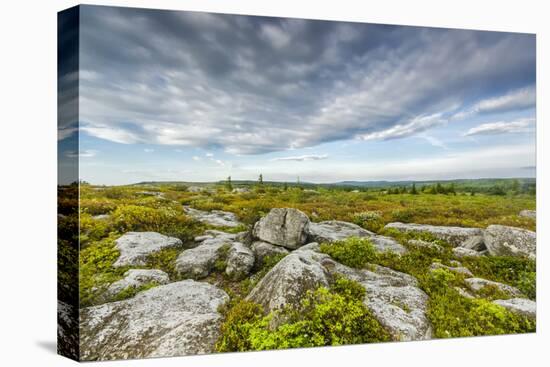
x,y
413,189
261,179
228,184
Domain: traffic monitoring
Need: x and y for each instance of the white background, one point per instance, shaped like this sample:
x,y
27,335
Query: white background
x,y
28,181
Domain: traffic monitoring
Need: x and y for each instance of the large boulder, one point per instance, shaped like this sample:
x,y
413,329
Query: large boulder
x,y
240,261
263,249
394,298
453,235
135,278
510,241
335,230
176,319
217,218
477,284
475,243
521,306
289,280
198,262
285,227
135,247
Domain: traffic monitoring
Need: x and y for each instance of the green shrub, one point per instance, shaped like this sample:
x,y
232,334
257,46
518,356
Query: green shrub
x,y
167,220
354,252
527,284
370,220
165,260
453,315
132,291
92,229
333,316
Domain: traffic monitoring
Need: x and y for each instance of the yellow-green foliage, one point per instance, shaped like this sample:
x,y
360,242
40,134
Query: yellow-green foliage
x,y
453,315
333,316
132,291
354,252
93,229
96,269
165,260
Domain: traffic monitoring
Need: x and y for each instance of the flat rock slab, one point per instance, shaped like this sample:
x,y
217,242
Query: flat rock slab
x,y
135,278
135,247
176,319
453,235
335,230
477,284
510,241
394,299
217,218
286,227
521,306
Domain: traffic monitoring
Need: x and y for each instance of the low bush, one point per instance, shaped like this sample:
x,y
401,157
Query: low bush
x,y
354,252
334,316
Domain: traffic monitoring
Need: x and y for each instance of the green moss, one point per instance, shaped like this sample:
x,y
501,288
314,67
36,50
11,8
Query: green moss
x,y
165,260
354,252
334,316
132,291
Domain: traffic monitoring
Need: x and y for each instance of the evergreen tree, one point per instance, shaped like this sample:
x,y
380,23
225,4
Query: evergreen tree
x,y
228,184
413,189
261,179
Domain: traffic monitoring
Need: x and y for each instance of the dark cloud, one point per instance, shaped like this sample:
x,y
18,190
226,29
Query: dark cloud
x,y
257,84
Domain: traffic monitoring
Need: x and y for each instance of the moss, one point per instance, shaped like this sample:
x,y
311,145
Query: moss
x,y
165,260
132,291
354,252
334,316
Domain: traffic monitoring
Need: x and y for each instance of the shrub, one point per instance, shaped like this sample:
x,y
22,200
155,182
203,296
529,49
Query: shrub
x,y
370,220
168,221
334,316
165,260
527,284
453,315
354,252
92,229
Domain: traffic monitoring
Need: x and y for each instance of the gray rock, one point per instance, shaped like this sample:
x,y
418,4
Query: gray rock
x,y
176,319
240,261
464,252
477,284
101,217
313,246
425,244
135,247
528,213
475,243
455,269
289,280
335,230
510,241
67,330
198,262
285,227
394,299
263,249
464,293
241,190
217,218
135,278
195,189
521,306
453,235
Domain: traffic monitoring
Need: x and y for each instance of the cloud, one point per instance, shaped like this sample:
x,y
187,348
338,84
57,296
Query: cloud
x,y
196,158
148,150
89,153
501,127
302,158
253,85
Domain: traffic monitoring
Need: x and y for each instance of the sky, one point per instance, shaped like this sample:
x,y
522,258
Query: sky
x,y
189,96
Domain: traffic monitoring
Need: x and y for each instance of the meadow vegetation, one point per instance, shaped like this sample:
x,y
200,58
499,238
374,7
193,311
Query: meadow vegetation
x,y
326,316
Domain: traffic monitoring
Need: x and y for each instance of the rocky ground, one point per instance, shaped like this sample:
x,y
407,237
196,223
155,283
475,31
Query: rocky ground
x,y
182,317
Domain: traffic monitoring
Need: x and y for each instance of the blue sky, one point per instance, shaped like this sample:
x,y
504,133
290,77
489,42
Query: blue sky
x,y
198,97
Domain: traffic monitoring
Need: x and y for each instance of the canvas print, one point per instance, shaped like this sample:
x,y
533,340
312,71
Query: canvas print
x,y
233,183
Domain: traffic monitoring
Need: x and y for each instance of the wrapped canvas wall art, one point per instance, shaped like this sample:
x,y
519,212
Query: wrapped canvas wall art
x,y
233,183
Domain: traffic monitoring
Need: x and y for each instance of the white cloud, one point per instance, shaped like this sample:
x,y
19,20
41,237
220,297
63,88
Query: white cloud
x,y
517,99
148,150
417,124
503,127
196,158
114,134
209,155
301,158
